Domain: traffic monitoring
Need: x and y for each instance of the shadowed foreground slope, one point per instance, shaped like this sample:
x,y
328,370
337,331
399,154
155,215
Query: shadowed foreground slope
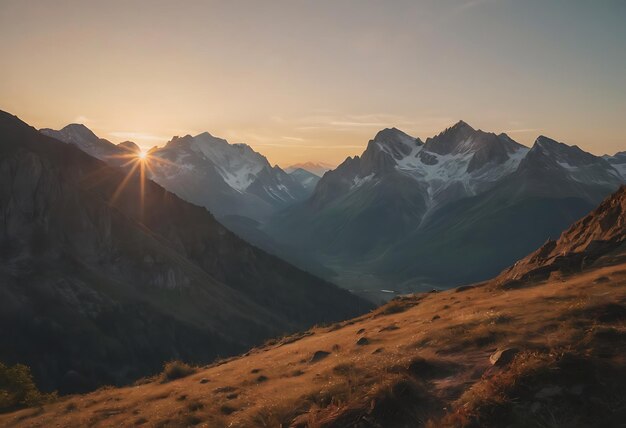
x,y
103,277
546,353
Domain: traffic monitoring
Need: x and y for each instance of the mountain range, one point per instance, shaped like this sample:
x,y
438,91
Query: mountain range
x,y
228,179
406,210
395,218
106,275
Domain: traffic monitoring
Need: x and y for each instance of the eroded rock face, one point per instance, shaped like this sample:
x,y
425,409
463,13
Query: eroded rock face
x,y
597,234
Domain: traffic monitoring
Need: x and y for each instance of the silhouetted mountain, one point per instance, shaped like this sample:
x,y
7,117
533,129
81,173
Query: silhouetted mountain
x,y
104,277
317,168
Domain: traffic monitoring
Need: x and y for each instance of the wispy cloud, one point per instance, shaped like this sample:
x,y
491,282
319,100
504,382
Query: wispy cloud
x,y
313,146
138,136
513,131
293,138
358,124
82,119
337,121
471,4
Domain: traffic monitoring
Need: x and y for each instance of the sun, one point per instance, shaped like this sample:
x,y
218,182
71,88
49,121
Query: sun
x,y
142,155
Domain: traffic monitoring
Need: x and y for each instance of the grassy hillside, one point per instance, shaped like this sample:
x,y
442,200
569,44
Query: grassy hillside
x,y
548,354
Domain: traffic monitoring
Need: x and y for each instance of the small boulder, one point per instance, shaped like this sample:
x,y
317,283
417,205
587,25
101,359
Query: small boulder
x,y
363,341
318,356
502,357
204,380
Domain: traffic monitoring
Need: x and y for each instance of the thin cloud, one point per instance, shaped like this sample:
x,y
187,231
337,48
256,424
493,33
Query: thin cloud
x,y
471,4
513,131
358,124
312,146
82,119
137,136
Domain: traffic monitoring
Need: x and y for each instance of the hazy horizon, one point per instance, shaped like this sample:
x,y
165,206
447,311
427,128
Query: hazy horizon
x,y
314,81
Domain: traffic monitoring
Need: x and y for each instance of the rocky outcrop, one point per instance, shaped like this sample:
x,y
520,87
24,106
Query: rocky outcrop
x,y
597,234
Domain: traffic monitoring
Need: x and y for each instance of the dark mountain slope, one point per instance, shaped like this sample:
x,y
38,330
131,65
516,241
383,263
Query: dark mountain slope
x,y
597,234
107,283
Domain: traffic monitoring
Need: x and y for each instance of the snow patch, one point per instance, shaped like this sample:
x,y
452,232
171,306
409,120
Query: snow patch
x,y
359,181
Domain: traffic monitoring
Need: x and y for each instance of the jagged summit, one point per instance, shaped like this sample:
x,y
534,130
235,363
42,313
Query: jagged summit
x,y
461,124
550,160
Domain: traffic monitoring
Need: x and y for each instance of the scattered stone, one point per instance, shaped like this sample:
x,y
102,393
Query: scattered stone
x,y
389,328
261,378
232,396
254,371
361,331
227,410
502,357
363,341
204,380
194,406
436,317
378,350
318,356
224,389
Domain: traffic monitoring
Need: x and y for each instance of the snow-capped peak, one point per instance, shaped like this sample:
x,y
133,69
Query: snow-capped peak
x,y
458,162
77,132
238,164
82,137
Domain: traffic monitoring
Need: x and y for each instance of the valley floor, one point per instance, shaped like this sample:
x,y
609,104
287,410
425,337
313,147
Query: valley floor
x,y
423,360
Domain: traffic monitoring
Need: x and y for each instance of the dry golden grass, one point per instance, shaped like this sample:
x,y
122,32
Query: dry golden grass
x,y
426,361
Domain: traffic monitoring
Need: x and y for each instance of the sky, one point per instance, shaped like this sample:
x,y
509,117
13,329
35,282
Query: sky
x,y
315,80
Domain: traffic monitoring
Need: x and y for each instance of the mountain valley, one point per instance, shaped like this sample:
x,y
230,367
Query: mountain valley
x,y
543,344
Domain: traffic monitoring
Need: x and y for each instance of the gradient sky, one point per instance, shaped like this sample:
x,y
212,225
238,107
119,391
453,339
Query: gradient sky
x,y
315,80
